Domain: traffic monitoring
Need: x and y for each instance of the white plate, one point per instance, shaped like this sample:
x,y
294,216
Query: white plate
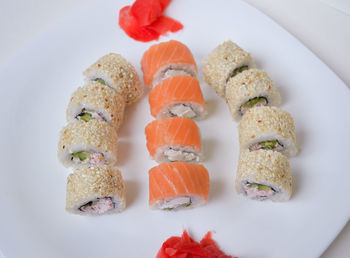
x,y
35,90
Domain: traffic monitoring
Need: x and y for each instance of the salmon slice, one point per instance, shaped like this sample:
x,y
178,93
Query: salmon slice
x,y
178,90
160,57
170,184
173,139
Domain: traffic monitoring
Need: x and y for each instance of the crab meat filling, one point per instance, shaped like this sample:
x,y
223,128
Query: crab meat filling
x,y
177,202
254,102
179,155
87,157
258,191
182,110
98,206
87,115
267,145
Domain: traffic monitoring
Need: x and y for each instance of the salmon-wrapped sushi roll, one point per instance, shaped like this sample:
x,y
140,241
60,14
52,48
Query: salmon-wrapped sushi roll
x,y
165,60
88,143
96,101
264,174
268,128
174,139
116,72
250,88
95,191
178,185
225,62
179,96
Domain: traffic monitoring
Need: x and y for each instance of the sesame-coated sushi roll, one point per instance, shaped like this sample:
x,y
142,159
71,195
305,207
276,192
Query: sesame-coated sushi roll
x,y
116,72
88,143
225,62
177,96
99,102
165,60
250,88
178,185
268,128
264,174
95,191
174,139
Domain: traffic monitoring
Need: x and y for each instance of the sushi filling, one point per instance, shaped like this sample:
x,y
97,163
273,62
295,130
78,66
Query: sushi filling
x,y
237,71
254,102
171,72
182,110
99,80
98,206
175,203
86,157
87,115
180,155
258,191
267,145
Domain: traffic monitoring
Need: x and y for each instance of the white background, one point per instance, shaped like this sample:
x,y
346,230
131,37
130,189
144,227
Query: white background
x,y
323,29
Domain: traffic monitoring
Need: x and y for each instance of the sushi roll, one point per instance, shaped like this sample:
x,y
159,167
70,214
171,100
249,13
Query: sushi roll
x,y
225,62
88,143
264,174
174,139
250,88
99,102
114,71
165,60
95,191
179,96
178,185
268,128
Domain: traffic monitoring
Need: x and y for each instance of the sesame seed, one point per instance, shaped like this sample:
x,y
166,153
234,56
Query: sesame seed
x,y
265,167
122,75
268,121
221,62
94,97
95,134
90,183
247,85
